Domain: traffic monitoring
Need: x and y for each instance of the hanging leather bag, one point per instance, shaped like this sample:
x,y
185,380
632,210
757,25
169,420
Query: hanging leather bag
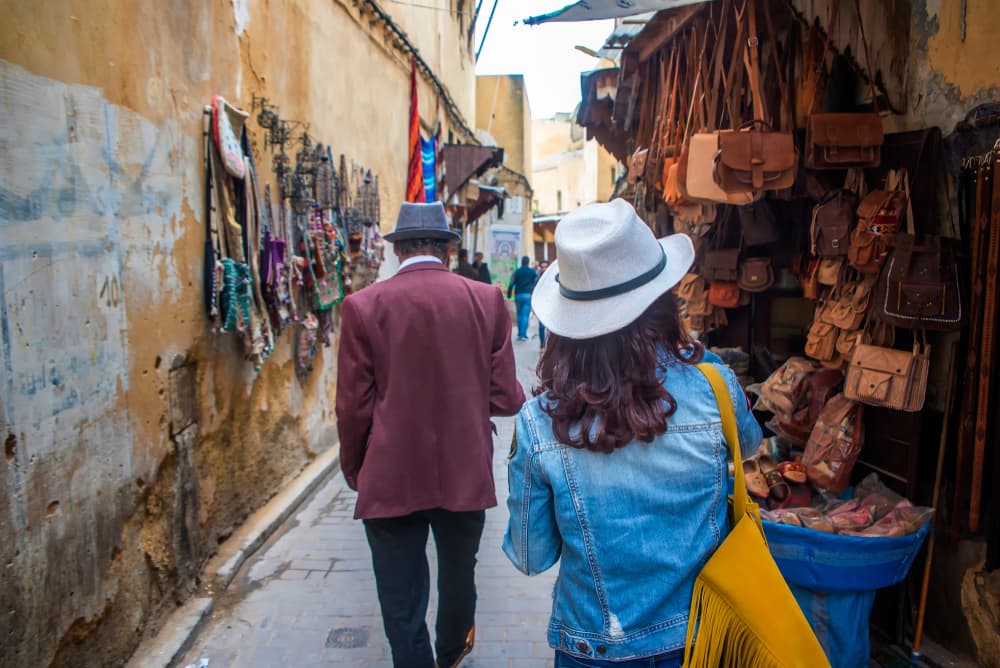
x,y
919,285
833,219
830,271
722,265
755,158
694,290
879,216
758,224
887,377
834,444
724,294
756,274
821,342
839,141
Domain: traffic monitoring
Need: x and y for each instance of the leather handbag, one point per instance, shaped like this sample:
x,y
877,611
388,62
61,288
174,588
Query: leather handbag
x,y
919,285
741,606
839,141
724,294
755,158
888,377
758,224
833,219
756,274
834,444
722,265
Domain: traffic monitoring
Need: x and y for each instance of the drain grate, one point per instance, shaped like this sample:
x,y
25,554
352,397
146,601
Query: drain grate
x,y
347,638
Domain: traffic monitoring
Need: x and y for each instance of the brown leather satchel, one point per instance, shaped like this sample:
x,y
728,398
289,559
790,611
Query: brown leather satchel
x,y
832,221
821,342
834,444
839,141
755,158
888,377
722,265
756,274
724,294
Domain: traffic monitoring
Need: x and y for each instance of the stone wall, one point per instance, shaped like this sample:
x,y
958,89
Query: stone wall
x,y
135,440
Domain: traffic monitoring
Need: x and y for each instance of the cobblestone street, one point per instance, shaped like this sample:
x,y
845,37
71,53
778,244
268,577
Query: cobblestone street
x,y
307,597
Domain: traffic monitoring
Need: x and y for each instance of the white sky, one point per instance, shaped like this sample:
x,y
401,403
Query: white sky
x,y
544,54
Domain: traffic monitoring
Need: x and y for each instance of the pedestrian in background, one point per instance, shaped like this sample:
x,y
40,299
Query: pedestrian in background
x,y
522,282
542,266
618,468
464,268
425,360
479,262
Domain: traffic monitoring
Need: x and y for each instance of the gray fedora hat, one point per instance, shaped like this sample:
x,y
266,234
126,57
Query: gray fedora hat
x,y
422,221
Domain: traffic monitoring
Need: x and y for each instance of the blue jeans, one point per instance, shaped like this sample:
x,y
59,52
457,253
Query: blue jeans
x,y
671,660
523,303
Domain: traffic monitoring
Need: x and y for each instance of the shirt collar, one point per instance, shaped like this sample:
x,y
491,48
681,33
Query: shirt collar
x,y
417,259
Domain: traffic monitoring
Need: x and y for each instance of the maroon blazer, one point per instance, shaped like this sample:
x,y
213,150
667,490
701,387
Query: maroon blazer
x,y
425,360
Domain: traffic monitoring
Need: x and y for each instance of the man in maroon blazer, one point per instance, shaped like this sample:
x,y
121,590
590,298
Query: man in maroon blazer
x,y
425,360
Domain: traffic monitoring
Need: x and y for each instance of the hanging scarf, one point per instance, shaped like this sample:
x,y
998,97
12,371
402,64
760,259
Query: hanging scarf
x,y
428,152
415,174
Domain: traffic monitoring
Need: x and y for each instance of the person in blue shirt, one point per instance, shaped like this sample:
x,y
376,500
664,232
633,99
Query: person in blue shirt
x,y
521,284
618,468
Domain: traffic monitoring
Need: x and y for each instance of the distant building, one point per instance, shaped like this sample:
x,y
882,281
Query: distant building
x,y
568,172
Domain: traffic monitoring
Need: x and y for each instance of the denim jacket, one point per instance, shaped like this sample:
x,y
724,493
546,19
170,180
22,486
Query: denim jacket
x,y
632,528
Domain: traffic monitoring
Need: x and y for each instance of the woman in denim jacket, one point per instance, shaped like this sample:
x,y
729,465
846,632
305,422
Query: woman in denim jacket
x,y
618,468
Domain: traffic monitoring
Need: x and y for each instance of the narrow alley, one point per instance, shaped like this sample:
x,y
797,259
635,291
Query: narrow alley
x,y
307,597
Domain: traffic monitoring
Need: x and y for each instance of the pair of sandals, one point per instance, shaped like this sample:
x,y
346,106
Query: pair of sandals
x,y
782,482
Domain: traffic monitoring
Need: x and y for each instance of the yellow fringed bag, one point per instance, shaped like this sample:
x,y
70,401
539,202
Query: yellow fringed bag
x,y
742,610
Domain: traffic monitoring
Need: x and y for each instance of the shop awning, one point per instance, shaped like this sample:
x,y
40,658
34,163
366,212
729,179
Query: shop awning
x,y
593,10
597,93
489,198
466,161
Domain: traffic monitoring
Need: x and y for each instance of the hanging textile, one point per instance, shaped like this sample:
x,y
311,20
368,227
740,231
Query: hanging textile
x,y
415,173
428,155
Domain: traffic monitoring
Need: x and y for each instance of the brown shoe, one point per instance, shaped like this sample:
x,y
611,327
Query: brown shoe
x,y
470,641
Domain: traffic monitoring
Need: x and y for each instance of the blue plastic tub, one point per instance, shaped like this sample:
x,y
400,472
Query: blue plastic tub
x,y
834,579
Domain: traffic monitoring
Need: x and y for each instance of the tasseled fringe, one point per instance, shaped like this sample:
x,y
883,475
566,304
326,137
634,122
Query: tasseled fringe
x,y
724,639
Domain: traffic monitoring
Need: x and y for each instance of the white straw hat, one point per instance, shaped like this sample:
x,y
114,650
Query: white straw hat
x,y
610,269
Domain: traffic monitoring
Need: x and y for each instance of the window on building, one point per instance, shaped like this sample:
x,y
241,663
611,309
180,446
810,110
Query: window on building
x,y
559,200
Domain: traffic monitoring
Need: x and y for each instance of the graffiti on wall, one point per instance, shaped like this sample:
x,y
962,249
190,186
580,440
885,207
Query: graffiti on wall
x,y
90,200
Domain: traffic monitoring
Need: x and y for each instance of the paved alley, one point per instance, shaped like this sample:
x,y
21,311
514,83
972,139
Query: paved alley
x,y
307,597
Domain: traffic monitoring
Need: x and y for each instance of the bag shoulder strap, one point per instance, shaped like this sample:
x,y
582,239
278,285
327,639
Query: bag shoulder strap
x,y
741,502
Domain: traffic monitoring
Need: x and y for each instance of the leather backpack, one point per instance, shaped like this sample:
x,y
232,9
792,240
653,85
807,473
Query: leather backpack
x,y
919,285
879,216
821,342
833,219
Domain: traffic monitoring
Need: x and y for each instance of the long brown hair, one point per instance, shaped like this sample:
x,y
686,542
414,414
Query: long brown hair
x,y
603,393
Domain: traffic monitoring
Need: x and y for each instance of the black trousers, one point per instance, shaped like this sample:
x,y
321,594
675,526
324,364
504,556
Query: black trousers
x,y
402,577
